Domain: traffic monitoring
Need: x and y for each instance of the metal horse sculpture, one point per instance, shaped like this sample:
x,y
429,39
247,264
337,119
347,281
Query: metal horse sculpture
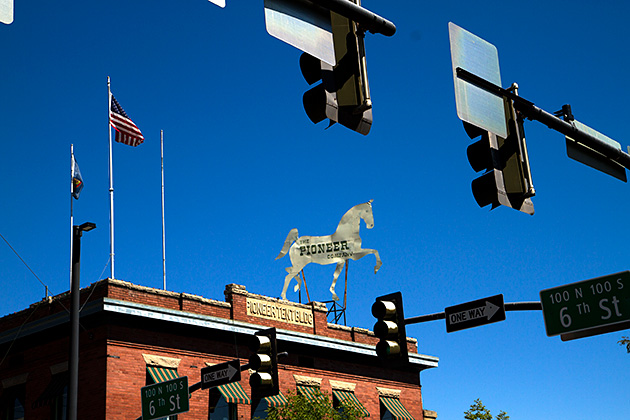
x,y
342,245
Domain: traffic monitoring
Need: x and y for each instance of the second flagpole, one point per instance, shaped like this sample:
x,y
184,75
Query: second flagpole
x,y
111,183
163,230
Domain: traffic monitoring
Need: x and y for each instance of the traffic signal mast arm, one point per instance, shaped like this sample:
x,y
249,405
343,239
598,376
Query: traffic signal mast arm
x,y
368,20
532,112
509,306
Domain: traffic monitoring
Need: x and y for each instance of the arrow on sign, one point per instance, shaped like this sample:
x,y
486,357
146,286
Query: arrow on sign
x,y
487,312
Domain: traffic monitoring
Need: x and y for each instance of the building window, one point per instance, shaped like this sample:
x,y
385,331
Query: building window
x,y
219,408
12,403
157,374
343,398
261,410
393,409
223,401
55,396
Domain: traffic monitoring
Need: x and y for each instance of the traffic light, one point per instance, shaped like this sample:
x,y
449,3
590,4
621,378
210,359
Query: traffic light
x,y
390,329
343,96
264,363
507,177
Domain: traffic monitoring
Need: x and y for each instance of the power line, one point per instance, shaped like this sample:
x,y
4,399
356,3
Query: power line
x,y
24,262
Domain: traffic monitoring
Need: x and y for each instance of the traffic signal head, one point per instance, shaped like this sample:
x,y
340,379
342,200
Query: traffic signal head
x,y
507,178
343,95
264,363
390,329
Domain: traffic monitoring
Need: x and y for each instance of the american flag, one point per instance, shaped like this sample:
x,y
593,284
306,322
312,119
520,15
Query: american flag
x,y
126,131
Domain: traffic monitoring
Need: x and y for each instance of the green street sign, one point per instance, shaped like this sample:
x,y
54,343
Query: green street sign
x,y
587,305
165,399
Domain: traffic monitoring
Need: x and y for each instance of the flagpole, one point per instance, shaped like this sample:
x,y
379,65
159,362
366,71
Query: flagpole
x,y
163,230
71,215
111,183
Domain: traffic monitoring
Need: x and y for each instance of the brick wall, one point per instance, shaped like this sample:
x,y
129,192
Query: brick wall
x,y
113,370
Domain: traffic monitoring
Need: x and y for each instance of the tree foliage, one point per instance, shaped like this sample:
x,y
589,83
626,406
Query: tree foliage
x,y
300,407
625,341
478,411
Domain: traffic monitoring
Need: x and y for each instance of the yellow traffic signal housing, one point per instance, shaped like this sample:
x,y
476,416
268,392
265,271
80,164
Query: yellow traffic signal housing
x,y
390,329
264,363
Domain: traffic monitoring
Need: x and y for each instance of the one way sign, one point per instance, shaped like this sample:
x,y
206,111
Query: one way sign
x,y
475,313
220,374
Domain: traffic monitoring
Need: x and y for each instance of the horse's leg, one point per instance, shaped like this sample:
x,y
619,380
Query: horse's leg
x,y
363,252
378,261
298,279
293,271
335,276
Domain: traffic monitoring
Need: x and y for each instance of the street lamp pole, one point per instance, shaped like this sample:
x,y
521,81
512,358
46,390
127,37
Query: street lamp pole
x,y
73,389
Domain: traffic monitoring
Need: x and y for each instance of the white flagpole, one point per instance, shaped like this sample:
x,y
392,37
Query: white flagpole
x,y
111,183
71,215
163,230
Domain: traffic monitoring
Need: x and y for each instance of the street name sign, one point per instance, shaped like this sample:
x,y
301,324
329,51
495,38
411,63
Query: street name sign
x,y
592,158
221,374
475,313
165,399
597,303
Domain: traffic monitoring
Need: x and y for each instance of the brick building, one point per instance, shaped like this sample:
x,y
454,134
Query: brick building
x,y
132,336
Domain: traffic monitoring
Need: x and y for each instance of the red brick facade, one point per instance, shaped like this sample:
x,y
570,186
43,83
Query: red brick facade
x,y
124,325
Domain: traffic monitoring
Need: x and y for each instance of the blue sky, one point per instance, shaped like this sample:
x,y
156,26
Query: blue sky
x,y
244,165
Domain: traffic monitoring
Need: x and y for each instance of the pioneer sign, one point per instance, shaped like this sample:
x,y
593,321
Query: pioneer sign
x,y
343,245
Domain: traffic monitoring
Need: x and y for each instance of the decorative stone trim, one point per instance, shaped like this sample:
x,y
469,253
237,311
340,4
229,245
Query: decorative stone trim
x,y
161,361
387,392
59,368
429,414
14,381
342,386
307,381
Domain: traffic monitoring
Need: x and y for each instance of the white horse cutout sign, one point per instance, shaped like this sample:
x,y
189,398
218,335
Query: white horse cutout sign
x,y
342,245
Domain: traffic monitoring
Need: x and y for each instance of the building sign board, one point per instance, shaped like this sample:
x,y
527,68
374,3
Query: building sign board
x,y
165,398
589,304
475,313
221,374
277,311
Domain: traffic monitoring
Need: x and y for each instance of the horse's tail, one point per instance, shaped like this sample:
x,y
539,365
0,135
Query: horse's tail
x,y
291,237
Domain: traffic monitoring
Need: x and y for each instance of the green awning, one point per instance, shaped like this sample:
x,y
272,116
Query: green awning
x,y
54,389
162,374
234,393
398,410
276,400
349,398
310,392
